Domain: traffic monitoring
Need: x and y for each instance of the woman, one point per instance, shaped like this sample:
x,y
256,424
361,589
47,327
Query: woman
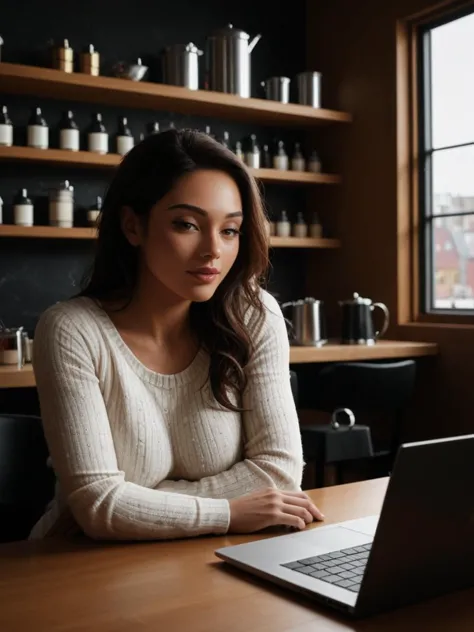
x,y
164,387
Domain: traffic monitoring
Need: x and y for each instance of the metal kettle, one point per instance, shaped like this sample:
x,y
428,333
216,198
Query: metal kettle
x,y
357,321
228,60
307,322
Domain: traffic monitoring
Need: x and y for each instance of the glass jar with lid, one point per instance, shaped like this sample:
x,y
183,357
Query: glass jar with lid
x,y
61,205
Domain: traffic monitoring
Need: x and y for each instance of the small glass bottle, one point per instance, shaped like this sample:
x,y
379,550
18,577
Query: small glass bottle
x,y
315,227
94,212
61,205
23,209
267,162
283,227
153,128
272,228
239,151
97,137
208,131
252,157
298,162
6,128
314,163
125,139
38,131
68,132
280,159
299,227
225,140
1,211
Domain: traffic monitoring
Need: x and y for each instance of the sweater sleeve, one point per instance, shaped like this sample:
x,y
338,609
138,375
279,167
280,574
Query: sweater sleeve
x,y
272,452
81,446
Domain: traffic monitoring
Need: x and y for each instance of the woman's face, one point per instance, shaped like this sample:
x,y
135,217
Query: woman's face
x,y
192,238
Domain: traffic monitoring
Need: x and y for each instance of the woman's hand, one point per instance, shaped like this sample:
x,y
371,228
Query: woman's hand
x,y
271,507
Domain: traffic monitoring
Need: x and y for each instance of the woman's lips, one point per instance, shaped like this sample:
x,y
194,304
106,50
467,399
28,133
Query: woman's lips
x,y
205,277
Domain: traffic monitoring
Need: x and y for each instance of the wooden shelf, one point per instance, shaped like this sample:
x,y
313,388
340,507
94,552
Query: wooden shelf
x,y
10,377
384,349
52,232
59,157
46,232
91,160
45,82
304,242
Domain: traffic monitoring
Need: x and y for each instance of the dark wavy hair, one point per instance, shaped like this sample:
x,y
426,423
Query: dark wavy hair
x,y
144,176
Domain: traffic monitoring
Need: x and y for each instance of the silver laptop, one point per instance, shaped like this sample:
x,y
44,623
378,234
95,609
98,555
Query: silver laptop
x,y
421,545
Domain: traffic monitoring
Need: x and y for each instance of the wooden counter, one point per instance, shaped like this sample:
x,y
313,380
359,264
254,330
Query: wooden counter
x,y
10,377
384,349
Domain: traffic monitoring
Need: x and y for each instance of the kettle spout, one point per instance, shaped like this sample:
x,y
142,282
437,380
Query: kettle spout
x,y
254,42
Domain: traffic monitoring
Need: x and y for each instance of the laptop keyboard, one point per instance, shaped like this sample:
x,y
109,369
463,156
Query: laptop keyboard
x,y
343,568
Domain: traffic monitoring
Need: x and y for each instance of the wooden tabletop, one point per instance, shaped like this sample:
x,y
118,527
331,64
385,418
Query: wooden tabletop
x,y
85,586
11,377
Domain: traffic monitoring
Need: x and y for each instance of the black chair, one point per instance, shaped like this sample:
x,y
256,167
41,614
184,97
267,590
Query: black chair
x,y
26,481
294,386
366,389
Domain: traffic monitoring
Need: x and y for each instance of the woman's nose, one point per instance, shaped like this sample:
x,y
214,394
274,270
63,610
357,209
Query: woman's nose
x,y
211,247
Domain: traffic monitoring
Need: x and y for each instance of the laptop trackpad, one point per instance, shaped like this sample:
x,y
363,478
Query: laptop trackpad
x,y
367,526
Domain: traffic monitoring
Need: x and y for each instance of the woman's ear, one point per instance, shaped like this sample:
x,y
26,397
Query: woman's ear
x,y
131,226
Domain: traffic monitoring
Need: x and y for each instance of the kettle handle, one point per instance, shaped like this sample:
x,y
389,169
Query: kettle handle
x,y
386,322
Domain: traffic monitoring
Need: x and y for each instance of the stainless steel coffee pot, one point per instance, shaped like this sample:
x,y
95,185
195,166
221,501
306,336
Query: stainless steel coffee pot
x,y
228,60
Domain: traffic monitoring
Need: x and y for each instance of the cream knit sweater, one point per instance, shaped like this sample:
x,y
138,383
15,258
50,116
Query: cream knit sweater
x,y
140,455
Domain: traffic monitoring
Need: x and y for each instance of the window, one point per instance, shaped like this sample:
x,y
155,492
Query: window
x,y
446,127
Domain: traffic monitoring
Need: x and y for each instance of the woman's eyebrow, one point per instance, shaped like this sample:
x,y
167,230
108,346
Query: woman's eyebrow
x,y
201,211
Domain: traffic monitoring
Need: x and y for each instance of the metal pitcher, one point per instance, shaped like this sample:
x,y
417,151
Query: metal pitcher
x,y
357,321
13,346
228,60
307,322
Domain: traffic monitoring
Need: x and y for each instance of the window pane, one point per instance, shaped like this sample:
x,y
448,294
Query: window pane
x,y
453,262
453,180
452,98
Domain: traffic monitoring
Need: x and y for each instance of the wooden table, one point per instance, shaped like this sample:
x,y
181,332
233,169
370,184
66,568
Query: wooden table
x,y
11,377
179,586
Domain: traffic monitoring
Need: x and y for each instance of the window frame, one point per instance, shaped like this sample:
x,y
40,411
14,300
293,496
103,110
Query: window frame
x,y
413,249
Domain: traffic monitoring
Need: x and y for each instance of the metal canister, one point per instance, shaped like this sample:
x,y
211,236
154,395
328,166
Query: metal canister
x,y
181,65
228,60
13,346
277,89
309,88
90,61
63,57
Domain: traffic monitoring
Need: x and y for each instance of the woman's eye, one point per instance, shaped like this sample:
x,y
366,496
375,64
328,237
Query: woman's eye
x,y
231,232
186,226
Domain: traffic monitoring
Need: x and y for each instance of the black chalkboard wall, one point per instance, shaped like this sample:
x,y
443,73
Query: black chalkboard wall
x,y
35,273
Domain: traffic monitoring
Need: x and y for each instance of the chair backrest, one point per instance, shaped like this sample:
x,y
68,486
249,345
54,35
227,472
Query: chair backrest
x,y
367,386
26,481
